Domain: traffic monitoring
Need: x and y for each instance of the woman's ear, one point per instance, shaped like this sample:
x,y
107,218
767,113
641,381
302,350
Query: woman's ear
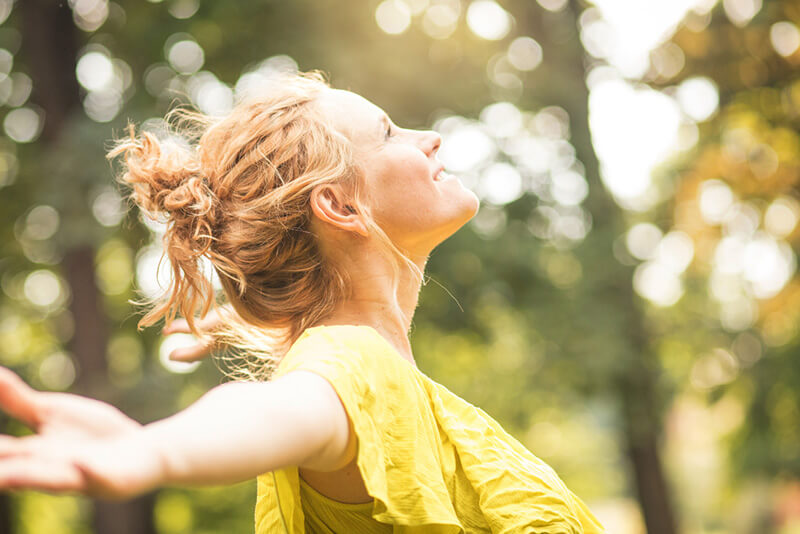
x,y
330,205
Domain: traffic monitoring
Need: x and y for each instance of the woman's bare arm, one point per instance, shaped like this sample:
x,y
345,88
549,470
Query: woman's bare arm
x,y
240,430
234,432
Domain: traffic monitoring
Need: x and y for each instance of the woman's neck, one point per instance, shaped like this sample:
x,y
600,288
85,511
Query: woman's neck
x,y
376,302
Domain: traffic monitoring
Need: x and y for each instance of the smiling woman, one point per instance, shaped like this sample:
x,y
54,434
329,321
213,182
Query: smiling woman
x,y
318,215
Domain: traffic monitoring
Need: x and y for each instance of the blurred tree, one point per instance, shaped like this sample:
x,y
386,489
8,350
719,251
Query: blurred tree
x,y
598,322
50,48
737,196
550,320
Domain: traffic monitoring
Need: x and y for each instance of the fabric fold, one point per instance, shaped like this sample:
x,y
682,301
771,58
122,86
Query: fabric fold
x,y
433,462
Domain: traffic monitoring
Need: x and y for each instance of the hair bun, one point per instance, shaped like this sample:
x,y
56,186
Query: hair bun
x,y
164,175
192,194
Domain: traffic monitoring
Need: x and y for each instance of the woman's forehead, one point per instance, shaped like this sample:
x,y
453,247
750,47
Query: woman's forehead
x,y
352,114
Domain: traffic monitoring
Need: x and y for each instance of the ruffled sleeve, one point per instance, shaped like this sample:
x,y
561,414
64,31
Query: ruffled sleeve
x,y
518,492
399,452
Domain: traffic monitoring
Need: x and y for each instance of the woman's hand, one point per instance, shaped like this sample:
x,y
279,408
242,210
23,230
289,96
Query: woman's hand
x,y
80,444
201,349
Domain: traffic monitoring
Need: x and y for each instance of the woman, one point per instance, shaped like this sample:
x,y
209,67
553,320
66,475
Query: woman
x,y
318,214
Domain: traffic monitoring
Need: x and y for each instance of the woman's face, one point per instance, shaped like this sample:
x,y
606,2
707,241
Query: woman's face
x,y
409,199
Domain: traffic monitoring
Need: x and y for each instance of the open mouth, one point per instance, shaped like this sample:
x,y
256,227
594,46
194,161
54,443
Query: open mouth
x,y
440,175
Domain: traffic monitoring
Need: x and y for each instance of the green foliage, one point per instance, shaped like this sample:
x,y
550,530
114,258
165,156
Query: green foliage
x,y
542,333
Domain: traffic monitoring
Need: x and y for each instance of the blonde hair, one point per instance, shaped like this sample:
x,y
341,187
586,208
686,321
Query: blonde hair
x,y
236,192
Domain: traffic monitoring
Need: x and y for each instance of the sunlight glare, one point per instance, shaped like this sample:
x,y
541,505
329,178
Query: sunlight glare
x,y
393,16
785,38
642,239
171,343
466,148
633,129
501,183
782,215
740,12
524,53
698,97
488,20
716,198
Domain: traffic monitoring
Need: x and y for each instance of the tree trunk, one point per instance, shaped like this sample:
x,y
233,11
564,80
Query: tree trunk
x,y
565,65
50,45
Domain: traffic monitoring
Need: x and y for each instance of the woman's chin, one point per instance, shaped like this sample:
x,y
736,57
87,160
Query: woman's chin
x,y
476,204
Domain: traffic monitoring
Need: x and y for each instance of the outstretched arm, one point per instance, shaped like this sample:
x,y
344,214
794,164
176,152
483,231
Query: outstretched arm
x,y
234,432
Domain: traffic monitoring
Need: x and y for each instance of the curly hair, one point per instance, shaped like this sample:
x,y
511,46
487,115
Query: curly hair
x,y
236,191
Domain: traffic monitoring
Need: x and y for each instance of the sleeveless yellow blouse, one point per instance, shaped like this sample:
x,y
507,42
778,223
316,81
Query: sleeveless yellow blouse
x,y
433,462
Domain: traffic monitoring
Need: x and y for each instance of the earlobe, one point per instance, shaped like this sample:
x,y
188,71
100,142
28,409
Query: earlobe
x,y
328,203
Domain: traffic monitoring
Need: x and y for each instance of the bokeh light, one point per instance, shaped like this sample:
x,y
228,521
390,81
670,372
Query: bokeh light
x,y
95,71
740,12
184,9
782,215
441,20
675,251
153,275
524,53
23,125
501,183
569,188
114,268
716,198
184,55
108,208
89,15
785,38
634,129
502,119
21,87
553,5
393,16
44,290
698,97
106,79
41,222
171,343
417,7
624,33
57,371
466,148
5,9
210,95
642,240
714,369
658,284
488,20
260,78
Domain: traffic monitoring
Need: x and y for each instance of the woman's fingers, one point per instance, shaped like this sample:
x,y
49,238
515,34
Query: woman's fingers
x,y
208,322
18,399
31,472
11,446
191,353
199,350
176,326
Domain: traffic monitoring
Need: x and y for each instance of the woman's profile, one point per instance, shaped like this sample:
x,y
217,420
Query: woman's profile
x,y
318,215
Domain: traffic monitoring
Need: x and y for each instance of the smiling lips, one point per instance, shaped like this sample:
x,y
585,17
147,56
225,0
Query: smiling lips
x,y
440,174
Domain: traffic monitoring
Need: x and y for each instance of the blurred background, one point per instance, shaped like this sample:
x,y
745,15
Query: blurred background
x,y
626,302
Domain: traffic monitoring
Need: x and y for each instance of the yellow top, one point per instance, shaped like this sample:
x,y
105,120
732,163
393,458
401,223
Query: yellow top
x,y
432,462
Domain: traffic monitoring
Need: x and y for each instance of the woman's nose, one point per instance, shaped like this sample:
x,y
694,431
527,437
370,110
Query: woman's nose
x,y
432,143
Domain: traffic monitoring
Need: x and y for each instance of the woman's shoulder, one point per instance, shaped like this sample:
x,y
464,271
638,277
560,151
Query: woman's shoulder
x,y
358,347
